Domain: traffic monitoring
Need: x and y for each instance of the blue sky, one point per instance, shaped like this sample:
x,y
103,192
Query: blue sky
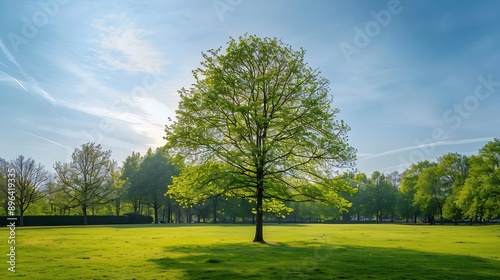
x,y
413,79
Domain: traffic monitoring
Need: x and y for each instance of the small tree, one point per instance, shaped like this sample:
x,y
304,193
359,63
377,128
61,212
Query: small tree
x,y
86,179
29,180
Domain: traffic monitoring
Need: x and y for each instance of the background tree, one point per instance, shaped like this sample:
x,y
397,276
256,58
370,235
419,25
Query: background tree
x,y
86,178
4,166
432,192
359,200
263,117
154,175
30,179
454,168
57,198
480,196
129,174
409,178
380,195
119,189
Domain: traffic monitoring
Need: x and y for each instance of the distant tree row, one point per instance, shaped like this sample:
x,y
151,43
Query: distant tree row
x,y
85,182
456,187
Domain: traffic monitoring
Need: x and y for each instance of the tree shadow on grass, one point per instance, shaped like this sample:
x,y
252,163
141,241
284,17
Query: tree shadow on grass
x,y
317,260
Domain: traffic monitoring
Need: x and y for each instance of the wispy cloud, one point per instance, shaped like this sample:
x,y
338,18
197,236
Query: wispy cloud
x,y
121,46
427,145
45,139
32,82
7,77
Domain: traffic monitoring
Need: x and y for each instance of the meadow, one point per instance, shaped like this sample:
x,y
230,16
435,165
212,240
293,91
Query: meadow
x,y
312,251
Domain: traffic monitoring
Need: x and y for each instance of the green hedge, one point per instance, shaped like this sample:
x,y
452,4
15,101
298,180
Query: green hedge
x,y
134,218
78,220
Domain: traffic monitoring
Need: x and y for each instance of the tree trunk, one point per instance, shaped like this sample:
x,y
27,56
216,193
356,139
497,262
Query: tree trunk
x,y
169,217
155,208
21,217
214,210
135,204
164,213
117,205
84,209
432,219
259,232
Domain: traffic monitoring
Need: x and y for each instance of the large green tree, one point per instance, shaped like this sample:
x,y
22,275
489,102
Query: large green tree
x,y
258,122
87,179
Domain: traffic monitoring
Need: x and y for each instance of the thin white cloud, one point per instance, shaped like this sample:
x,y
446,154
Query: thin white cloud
x,y
428,145
147,124
121,46
43,138
6,77
33,83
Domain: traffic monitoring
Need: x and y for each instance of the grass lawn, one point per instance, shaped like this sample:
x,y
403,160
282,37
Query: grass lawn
x,y
226,252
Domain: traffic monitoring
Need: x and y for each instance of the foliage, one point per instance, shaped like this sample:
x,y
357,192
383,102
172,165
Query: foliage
x,y
153,176
480,197
87,178
408,189
261,119
455,169
129,174
29,179
147,178
380,195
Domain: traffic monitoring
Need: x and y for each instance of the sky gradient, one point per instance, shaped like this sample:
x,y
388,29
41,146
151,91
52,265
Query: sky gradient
x,y
413,79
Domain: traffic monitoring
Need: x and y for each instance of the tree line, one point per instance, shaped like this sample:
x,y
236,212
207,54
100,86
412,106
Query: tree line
x,y
455,188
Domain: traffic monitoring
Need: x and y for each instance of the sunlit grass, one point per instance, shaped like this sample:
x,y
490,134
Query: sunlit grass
x,y
226,252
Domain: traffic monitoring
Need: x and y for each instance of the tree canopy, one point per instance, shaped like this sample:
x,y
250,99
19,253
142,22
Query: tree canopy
x,y
29,180
87,178
258,123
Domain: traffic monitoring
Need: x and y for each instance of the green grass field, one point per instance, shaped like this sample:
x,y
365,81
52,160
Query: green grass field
x,y
226,252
